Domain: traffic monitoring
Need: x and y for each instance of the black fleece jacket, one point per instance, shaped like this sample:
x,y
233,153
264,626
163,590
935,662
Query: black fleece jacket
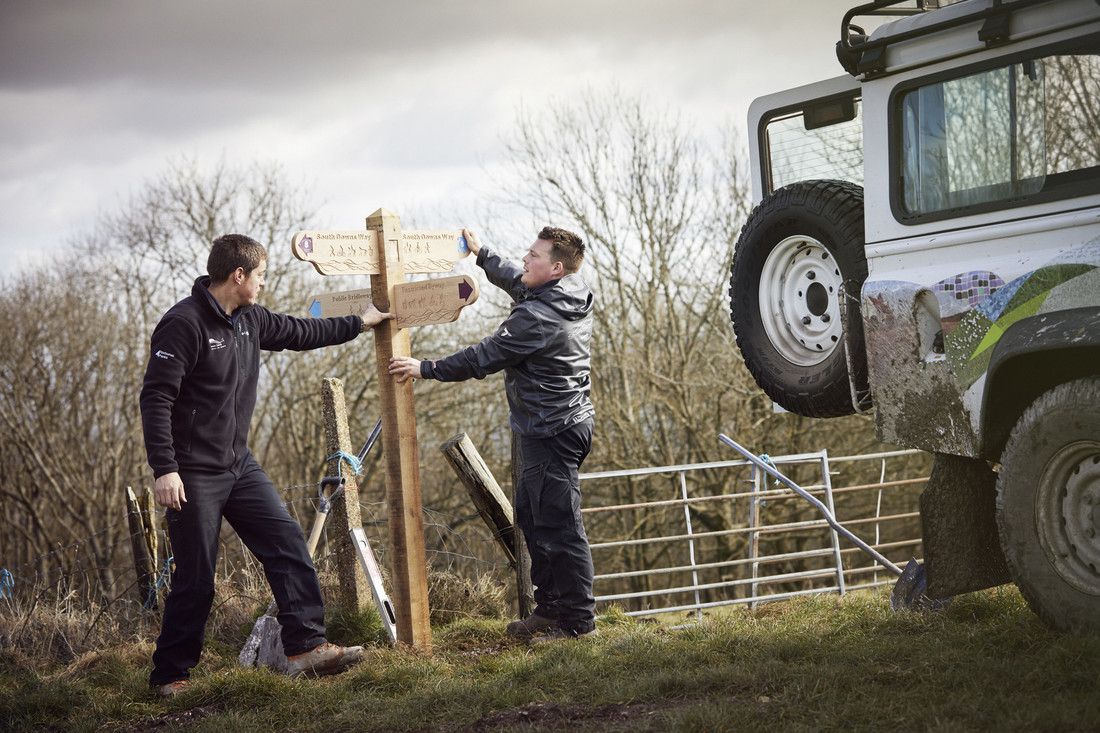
x,y
200,384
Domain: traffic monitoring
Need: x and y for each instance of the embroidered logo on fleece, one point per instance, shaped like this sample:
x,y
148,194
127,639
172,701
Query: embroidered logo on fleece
x,y
164,355
216,344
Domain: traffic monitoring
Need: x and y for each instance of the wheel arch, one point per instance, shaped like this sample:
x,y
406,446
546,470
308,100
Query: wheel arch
x,y
1033,356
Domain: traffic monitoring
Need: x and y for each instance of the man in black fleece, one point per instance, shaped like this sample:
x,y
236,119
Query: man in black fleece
x,y
544,348
196,407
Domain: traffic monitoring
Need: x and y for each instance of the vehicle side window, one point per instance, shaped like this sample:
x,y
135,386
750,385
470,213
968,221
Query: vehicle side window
x,y
1002,137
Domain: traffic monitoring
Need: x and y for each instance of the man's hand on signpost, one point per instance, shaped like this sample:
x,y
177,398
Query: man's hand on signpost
x,y
404,367
372,316
472,242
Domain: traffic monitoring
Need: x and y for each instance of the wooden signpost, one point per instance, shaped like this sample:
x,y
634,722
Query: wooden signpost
x,y
422,303
434,301
347,303
387,255
359,253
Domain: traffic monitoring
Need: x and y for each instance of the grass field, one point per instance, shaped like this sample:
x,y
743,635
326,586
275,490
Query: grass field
x,y
824,663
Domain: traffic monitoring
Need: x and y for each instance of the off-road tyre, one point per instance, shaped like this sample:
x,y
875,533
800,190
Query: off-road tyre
x,y
1048,505
798,255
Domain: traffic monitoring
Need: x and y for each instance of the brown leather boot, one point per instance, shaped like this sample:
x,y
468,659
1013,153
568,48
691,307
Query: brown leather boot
x,y
531,625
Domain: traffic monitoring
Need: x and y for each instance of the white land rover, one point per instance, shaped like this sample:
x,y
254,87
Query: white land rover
x,y
926,245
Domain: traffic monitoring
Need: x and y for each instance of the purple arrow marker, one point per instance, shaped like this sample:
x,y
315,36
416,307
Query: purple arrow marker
x,y
465,290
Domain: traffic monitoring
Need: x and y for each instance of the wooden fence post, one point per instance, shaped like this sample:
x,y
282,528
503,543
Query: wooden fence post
x,y
355,593
148,504
525,591
144,565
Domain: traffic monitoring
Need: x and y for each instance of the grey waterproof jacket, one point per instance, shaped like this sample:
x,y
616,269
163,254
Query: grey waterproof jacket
x,y
544,347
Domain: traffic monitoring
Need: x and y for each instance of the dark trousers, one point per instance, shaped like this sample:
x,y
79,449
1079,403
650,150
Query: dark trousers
x,y
248,500
548,511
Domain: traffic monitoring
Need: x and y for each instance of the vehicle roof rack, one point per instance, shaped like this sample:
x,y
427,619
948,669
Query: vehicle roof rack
x,y
860,54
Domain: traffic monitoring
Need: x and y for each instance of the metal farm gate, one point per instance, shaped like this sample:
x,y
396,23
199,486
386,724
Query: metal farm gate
x,y
688,550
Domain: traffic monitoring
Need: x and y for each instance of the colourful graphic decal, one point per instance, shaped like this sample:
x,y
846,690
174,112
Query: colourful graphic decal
x,y
959,294
972,287
969,340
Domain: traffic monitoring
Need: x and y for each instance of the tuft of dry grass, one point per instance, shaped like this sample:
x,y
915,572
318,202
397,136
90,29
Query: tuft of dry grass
x,y
46,629
452,597
43,628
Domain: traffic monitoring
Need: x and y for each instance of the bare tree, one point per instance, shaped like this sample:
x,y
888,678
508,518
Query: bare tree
x,y
72,438
660,208
656,207
77,340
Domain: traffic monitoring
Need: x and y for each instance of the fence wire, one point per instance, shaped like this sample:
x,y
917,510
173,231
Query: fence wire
x,y
698,536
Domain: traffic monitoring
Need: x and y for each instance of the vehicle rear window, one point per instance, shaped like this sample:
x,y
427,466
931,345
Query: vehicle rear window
x,y
802,145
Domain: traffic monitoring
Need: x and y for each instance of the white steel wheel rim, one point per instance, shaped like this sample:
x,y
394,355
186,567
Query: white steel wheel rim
x,y
800,287
1068,514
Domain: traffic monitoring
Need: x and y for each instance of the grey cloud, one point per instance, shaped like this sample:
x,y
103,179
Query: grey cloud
x,y
96,94
288,42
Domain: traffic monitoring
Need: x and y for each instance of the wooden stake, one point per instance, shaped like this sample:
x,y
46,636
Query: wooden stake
x,y
525,589
344,516
148,504
491,503
143,564
409,566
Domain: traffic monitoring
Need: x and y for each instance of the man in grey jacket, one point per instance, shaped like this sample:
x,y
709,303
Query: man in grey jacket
x,y
544,348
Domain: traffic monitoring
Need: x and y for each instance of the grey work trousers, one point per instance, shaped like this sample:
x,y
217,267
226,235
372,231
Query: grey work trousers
x,y
548,511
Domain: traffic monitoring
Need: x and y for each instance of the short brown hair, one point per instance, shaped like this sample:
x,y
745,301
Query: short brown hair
x,y
231,251
565,247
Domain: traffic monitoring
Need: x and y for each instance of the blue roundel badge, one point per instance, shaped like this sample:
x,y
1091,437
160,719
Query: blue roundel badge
x,y
462,246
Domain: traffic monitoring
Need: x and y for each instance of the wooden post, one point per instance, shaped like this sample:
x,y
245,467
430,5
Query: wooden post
x,y
525,590
386,253
147,505
491,503
406,520
143,564
344,514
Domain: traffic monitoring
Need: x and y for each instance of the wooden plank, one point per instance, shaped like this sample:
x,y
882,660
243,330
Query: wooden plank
x,y
432,251
406,520
332,305
491,503
338,252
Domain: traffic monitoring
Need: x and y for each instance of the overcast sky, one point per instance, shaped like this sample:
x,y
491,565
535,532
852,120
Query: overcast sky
x,y
397,103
